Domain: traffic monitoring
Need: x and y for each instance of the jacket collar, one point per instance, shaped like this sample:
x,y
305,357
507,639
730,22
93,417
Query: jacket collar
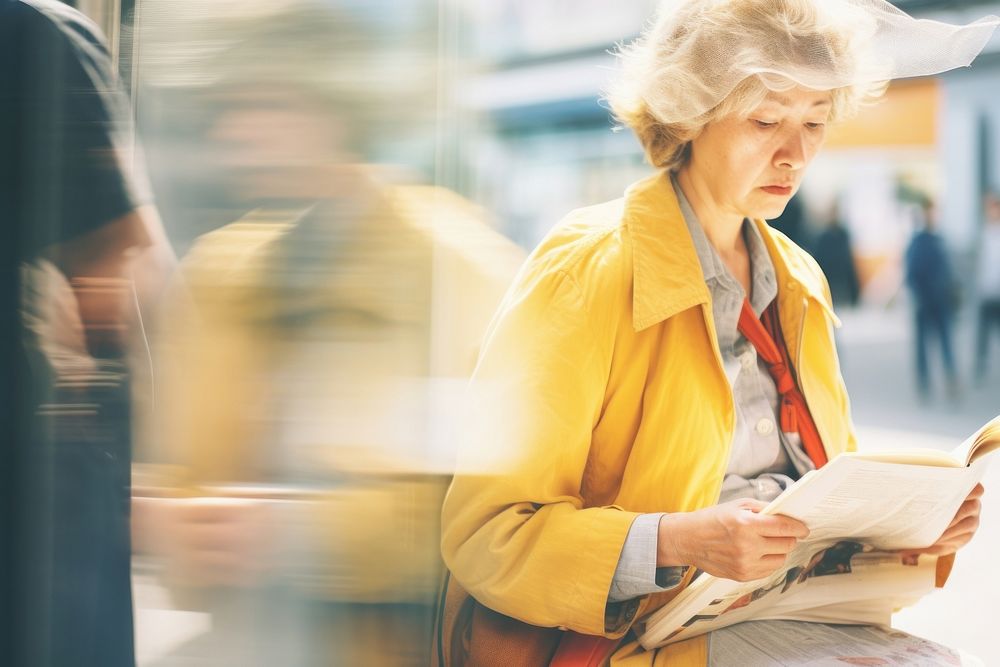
x,y
667,276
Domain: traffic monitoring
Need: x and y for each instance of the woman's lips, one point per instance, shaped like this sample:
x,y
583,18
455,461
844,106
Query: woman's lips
x,y
778,189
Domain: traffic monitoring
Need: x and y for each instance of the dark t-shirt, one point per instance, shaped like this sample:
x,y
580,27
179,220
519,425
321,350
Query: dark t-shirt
x,y
928,272
65,169
69,125
832,251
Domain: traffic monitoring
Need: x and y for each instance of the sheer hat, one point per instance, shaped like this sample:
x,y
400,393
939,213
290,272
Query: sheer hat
x,y
696,52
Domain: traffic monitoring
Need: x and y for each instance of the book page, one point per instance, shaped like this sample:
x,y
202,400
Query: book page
x,y
846,582
888,505
765,643
860,580
851,612
980,443
924,457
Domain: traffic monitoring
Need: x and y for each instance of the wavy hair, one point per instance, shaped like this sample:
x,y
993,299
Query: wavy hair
x,y
683,72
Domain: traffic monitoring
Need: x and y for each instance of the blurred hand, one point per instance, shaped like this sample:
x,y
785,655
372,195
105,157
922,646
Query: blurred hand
x,y
215,541
959,531
731,540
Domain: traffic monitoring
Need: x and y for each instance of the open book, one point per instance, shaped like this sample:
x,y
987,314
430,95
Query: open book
x,y
860,509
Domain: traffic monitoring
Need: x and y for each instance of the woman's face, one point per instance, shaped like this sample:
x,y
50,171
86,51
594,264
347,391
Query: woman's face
x,y
751,166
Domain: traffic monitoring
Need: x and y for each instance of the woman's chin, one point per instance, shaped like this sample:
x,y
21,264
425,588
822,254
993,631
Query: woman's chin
x,y
771,210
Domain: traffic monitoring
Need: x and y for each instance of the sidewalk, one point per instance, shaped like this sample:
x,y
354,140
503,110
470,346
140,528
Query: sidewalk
x,y
877,358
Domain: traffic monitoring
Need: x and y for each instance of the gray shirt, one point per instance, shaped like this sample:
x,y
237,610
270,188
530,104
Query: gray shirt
x,y
763,460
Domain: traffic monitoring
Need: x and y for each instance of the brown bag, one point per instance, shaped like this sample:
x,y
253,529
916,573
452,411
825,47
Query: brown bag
x,y
467,634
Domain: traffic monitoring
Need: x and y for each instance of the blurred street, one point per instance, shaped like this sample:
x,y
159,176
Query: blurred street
x,y
877,353
877,359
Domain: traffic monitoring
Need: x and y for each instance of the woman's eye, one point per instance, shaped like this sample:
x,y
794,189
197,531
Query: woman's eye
x,y
764,123
815,126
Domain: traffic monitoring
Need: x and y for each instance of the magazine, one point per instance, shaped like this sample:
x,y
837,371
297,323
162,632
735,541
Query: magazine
x,y
861,509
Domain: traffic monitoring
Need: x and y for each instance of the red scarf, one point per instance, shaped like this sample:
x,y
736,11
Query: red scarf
x,y
765,335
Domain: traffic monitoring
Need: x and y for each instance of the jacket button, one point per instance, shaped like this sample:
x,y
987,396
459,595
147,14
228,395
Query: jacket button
x,y
630,611
791,285
765,426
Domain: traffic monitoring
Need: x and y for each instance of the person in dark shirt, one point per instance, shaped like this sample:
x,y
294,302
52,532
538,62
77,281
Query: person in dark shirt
x,y
77,223
792,222
832,251
931,282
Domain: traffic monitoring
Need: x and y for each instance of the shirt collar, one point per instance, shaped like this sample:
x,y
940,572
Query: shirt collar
x,y
765,283
765,286
667,274
711,264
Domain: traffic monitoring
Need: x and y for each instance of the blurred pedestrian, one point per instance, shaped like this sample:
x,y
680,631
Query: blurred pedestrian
x,y
932,285
82,246
835,255
792,222
317,355
988,285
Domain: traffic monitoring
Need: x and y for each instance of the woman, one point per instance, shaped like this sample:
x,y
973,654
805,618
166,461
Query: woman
x,y
626,428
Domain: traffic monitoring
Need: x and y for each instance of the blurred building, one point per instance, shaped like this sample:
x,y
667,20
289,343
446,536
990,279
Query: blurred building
x,y
528,100
516,122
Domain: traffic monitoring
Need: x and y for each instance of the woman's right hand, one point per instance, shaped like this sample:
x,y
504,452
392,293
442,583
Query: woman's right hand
x,y
731,540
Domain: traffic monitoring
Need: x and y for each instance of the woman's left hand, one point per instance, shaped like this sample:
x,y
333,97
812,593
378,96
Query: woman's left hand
x,y
959,531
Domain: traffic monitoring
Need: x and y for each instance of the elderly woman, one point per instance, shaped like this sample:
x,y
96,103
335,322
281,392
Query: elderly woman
x,y
664,364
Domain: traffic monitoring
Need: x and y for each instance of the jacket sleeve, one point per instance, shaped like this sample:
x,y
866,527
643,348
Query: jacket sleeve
x,y
636,574
516,532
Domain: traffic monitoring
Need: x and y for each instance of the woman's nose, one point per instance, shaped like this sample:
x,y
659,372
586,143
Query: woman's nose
x,y
792,153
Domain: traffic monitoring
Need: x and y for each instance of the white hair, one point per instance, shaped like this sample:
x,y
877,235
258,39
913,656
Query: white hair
x,y
688,68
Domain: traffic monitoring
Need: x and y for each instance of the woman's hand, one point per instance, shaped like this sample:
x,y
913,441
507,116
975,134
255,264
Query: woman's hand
x,y
731,540
959,531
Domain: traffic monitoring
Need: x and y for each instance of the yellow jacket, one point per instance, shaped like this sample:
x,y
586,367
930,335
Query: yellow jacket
x,y
395,318
605,398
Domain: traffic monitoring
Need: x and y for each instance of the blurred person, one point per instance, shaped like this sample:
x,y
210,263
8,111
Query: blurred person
x,y
83,246
792,222
988,285
833,252
932,285
316,365
634,389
